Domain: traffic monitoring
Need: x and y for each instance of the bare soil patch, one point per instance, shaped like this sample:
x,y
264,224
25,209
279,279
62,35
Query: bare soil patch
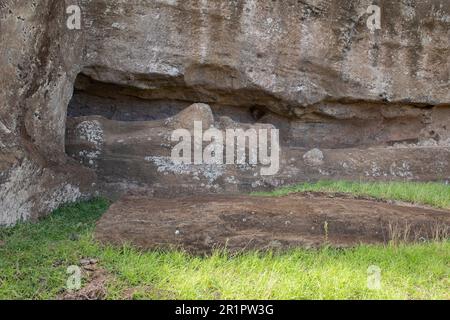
x,y
95,287
200,224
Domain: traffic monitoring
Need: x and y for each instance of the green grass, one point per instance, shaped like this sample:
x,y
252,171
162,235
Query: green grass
x,y
34,259
433,193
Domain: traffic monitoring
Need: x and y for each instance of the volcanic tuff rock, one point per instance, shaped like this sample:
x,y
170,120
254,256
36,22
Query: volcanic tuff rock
x,y
137,155
311,68
202,224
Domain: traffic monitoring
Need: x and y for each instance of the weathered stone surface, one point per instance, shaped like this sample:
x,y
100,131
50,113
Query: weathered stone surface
x,y
311,68
39,60
203,223
136,155
290,53
313,157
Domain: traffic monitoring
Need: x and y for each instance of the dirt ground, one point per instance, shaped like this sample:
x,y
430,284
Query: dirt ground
x,y
95,288
200,224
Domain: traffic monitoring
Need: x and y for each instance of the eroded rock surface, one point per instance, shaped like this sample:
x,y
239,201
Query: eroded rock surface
x,y
310,68
39,61
137,155
202,224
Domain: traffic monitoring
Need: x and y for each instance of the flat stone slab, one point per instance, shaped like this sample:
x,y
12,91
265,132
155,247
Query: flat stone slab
x,y
201,224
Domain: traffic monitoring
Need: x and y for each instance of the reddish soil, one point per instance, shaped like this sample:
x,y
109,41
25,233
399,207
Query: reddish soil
x,y
201,223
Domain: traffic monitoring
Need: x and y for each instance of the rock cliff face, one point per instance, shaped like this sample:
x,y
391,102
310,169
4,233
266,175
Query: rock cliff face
x,y
350,102
39,60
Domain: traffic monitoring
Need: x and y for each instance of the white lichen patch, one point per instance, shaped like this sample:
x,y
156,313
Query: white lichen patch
x,y
402,170
18,199
166,165
314,157
66,194
231,180
396,170
4,129
89,157
324,172
91,131
118,26
15,204
374,170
